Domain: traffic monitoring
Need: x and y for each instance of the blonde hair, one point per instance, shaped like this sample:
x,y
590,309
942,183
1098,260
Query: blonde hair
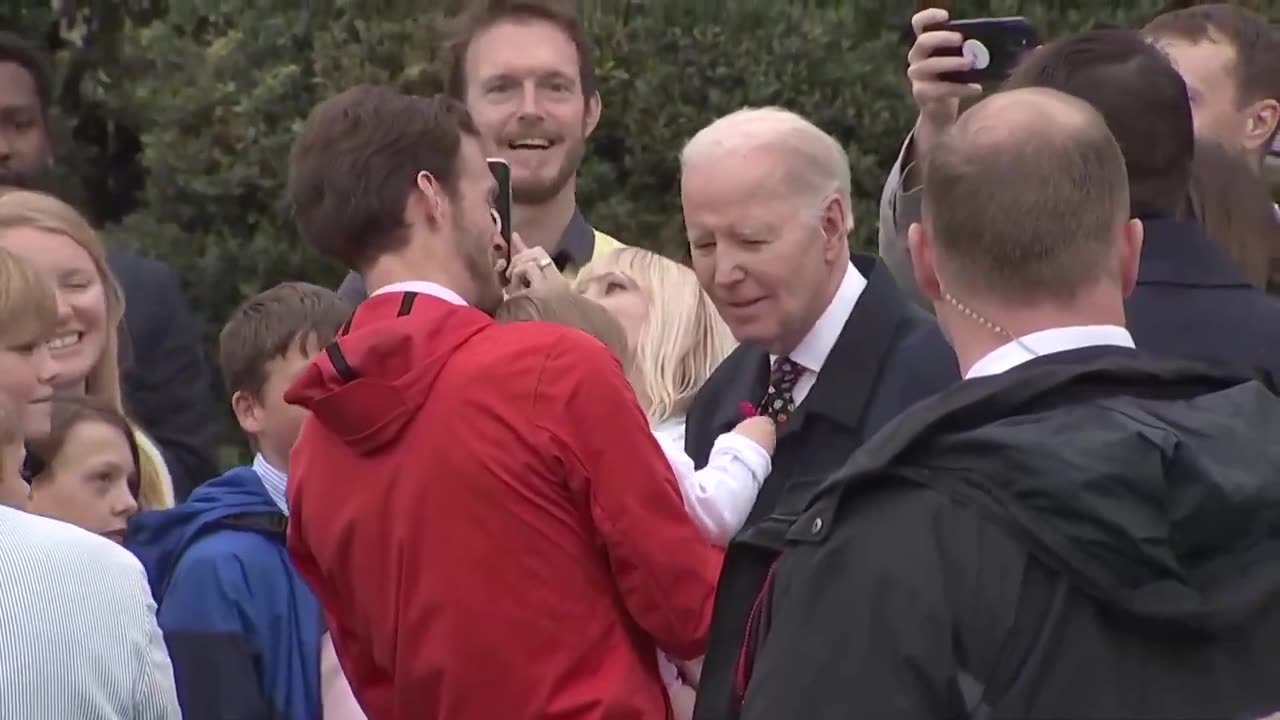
x,y
570,309
817,164
39,211
28,304
683,339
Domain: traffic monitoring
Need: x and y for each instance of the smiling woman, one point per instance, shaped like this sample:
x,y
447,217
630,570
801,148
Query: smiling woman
x,y
61,245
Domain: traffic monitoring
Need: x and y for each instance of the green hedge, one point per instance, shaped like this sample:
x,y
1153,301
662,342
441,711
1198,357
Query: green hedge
x,y
215,93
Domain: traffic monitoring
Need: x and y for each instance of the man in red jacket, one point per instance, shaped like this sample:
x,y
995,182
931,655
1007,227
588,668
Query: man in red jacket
x,y
481,509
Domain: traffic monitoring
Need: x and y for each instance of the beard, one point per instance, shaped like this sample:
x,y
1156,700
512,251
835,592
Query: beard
x,y
475,247
539,192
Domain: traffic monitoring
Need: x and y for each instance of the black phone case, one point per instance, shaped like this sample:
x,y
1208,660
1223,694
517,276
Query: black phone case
x,y
502,174
1004,40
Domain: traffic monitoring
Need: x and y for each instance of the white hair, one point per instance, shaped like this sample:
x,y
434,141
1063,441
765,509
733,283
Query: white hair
x,y
816,162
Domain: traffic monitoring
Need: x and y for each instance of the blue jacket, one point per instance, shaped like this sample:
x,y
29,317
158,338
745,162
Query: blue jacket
x,y
243,629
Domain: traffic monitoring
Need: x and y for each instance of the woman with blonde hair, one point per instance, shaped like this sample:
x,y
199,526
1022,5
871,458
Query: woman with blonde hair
x,y
675,333
60,243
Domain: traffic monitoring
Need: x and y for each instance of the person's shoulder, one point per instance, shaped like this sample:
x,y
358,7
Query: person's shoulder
x,y
132,268
605,243
234,554
65,547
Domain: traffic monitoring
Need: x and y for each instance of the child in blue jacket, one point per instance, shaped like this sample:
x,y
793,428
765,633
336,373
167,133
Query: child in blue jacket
x,y
244,631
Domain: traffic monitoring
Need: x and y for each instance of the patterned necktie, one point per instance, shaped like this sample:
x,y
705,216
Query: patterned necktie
x,y
779,402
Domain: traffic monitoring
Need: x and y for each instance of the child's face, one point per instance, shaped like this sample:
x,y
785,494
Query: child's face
x,y
26,372
268,418
91,481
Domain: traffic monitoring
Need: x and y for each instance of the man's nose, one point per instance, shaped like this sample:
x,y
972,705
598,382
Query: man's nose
x,y
728,269
530,102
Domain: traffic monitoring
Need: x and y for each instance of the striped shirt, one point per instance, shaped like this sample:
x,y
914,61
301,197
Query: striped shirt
x,y
78,633
273,480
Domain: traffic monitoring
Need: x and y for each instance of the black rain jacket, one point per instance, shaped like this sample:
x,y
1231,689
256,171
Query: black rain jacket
x,y
1087,540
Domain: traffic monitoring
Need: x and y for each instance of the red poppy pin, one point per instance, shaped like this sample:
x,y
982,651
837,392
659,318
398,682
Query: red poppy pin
x,y
747,409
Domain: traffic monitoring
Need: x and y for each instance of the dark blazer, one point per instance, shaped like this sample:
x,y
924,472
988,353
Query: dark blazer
x,y
889,355
1192,302
164,372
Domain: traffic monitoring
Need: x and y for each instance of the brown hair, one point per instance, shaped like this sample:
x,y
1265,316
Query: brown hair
x,y
356,161
568,308
270,324
1141,97
28,304
68,412
484,14
1257,45
1025,213
1232,204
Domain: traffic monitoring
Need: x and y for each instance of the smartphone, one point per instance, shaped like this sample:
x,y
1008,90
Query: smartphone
x,y
995,45
501,170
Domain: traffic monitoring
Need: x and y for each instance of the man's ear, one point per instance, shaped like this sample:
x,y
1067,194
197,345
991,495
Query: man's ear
x,y
1130,254
836,230
427,200
922,262
591,117
1261,128
248,413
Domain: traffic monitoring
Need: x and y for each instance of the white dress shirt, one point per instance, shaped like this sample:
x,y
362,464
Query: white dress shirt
x,y
812,352
1012,354
78,632
276,482
422,287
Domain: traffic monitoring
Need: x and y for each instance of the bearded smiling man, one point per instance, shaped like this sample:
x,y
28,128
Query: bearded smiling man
x,y
525,72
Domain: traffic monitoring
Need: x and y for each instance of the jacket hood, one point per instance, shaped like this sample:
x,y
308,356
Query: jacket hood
x,y
159,537
1151,483
371,381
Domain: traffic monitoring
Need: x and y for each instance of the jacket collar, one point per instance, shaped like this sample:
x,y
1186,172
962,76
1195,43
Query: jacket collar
x,y
1177,252
577,244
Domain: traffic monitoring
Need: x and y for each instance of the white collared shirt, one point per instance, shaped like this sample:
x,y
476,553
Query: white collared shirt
x,y
424,288
1011,355
274,481
814,348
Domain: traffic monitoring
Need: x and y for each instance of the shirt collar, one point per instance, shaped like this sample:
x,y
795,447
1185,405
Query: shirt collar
x,y
273,480
577,243
814,348
1010,355
422,287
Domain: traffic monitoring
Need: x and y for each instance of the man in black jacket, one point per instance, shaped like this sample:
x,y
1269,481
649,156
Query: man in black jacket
x,y
830,348
1073,531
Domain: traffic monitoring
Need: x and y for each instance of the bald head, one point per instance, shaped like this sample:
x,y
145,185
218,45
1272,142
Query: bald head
x,y
1024,197
1011,121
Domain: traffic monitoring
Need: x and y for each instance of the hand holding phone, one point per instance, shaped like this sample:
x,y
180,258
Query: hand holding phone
x,y
938,99
992,46
501,170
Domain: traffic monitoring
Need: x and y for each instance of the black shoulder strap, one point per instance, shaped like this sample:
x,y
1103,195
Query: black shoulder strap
x,y
272,524
1043,595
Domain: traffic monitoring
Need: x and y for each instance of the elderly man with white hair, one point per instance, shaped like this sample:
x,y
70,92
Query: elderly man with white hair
x,y
829,346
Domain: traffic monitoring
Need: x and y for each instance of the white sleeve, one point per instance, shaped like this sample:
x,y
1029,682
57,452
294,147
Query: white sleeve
x,y
155,694
719,496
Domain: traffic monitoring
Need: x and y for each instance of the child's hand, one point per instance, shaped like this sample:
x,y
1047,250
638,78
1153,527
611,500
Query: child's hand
x,y
759,430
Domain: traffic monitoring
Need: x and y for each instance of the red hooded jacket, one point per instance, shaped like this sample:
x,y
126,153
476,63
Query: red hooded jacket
x,y
492,530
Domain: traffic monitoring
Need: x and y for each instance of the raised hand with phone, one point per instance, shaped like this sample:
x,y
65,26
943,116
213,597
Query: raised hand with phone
x,y
951,59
